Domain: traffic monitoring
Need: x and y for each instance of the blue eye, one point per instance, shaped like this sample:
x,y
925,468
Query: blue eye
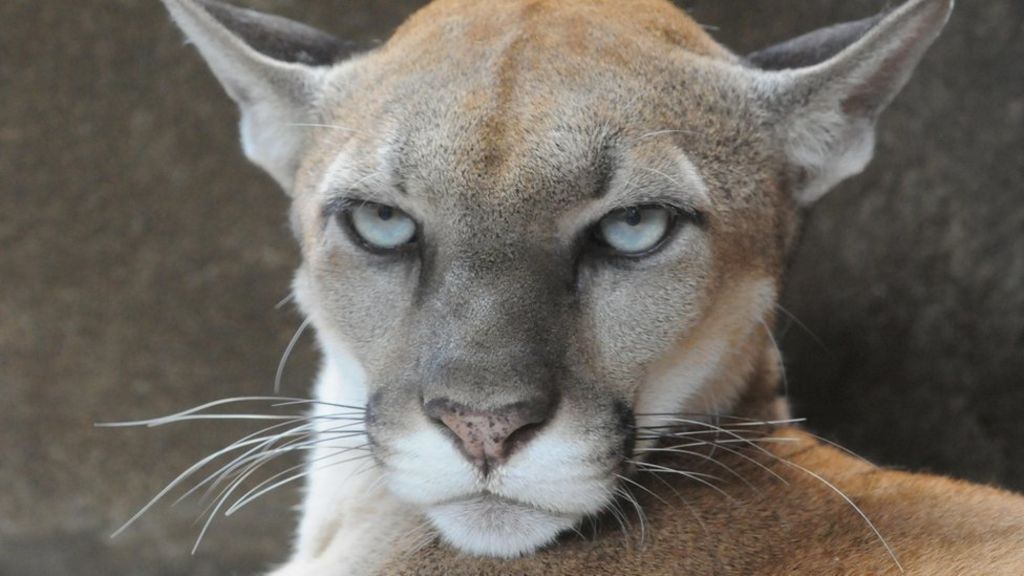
x,y
635,230
382,227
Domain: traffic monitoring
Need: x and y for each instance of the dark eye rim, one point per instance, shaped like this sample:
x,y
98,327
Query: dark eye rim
x,y
342,212
678,217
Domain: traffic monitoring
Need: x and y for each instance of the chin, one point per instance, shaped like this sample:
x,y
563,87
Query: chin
x,y
492,526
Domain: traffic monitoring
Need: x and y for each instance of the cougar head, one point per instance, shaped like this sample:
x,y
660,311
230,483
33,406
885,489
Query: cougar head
x,y
530,227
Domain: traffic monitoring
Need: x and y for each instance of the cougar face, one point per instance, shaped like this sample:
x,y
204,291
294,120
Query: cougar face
x,y
506,344
529,227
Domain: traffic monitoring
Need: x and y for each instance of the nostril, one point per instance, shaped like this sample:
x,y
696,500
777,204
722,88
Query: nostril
x,y
521,436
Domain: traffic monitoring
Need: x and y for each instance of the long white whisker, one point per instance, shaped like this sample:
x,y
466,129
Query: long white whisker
x,y
284,301
262,454
721,445
809,332
329,126
851,503
642,487
663,132
708,458
178,480
178,416
255,453
269,485
627,496
288,352
695,476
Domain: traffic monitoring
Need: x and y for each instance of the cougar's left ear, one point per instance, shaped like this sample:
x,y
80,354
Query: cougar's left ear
x,y
271,67
828,88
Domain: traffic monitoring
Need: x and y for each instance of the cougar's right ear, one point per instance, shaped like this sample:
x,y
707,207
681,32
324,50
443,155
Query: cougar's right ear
x,y
829,87
273,68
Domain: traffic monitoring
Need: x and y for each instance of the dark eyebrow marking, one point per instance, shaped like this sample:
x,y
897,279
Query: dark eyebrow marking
x,y
399,185
604,171
336,205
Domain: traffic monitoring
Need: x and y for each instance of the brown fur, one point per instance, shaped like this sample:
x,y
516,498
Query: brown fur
x,y
936,526
492,117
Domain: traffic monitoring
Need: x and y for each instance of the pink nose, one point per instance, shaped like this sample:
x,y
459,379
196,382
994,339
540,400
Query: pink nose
x,y
489,437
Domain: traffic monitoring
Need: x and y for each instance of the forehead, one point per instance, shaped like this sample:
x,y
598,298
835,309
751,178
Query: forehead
x,y
527,101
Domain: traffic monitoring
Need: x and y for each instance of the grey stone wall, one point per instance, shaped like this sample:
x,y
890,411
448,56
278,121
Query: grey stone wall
x,y
141,260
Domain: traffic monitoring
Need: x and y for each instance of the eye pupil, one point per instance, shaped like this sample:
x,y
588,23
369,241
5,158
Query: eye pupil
x,y
385,213
633,216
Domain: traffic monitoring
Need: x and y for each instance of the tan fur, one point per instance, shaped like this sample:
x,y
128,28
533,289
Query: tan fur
x,y
935,526
493,125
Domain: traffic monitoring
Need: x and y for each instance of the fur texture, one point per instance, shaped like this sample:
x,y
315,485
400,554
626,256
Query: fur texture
x,y
935,526
508,132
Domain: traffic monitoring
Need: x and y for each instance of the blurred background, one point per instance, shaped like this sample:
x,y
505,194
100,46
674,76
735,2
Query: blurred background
x,y
141,259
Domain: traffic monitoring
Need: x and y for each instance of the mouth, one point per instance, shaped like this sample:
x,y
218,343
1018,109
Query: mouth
x,y
490,525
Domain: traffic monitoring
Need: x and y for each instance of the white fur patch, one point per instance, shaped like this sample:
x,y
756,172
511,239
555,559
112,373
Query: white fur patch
x,y
425,468
830,148
520,506
491,527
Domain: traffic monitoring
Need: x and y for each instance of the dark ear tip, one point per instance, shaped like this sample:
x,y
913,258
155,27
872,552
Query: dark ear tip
x,y
279,38
820,45
814,47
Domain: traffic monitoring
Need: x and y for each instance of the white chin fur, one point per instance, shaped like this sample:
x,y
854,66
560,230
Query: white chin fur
x,y
490,527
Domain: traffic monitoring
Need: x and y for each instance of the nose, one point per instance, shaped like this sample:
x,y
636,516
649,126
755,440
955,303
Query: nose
x,y
489,437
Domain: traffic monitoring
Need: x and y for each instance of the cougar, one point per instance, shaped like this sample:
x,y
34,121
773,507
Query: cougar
x,y
542,246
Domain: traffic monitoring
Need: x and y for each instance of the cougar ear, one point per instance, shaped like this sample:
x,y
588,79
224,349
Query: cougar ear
x,y
830,86
271,67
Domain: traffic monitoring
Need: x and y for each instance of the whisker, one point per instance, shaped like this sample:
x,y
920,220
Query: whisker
x,y
328,126
262,454
705,457
420,536
174,483
738,419
264,488
853,505
675,182
717,442
685,502
809,332
261,444
288,352
699,423
752,460
256,440
623,492
616,513
838,446
308,401
849,501
642,487
284,301
299,439
225,495
179,416
663,132
695,476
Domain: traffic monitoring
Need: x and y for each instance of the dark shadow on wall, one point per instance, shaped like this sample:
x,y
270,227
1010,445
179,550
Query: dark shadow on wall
x,y
141,260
